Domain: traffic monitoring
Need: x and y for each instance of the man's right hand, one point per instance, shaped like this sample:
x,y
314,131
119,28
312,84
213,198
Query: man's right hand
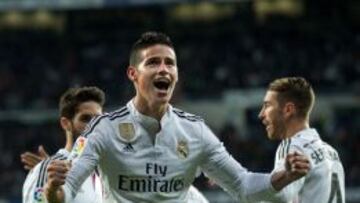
x,y
56,175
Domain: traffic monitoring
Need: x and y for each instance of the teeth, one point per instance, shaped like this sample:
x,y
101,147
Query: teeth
x,y
163,80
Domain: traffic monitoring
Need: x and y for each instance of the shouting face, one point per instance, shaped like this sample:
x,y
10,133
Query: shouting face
x,y
155,75
272,117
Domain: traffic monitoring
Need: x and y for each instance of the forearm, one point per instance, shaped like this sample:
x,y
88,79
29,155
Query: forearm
x,y
280,179
54,195
296,167
288,187
241,184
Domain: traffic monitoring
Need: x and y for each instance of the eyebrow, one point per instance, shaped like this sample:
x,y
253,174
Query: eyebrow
x,y
87,114
160,57
171,60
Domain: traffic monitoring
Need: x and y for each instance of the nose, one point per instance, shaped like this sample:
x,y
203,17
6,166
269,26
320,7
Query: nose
x,y
163,67
261,114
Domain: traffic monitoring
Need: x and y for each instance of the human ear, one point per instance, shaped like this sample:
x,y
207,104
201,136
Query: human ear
x,y
65,124
289,109
131,73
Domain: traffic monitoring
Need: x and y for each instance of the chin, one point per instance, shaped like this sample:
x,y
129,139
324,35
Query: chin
x,y
271,137
165,98
162,100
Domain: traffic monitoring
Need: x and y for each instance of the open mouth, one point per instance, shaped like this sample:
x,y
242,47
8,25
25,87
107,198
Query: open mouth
x,y
266,125
162,85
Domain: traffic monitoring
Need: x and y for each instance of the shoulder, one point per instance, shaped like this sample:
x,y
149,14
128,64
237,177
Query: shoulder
x,y
315,148
307,141
182,115
194,125
41,166
40,170
298,143
118,114
106,119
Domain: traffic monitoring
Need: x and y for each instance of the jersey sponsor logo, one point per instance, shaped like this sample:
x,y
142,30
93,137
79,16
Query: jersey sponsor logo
x,y
128,148
127,131
38,195
155,180
182,149
150,184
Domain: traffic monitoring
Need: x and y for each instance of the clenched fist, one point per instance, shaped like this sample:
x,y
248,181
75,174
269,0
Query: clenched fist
x,y
297,166
56,175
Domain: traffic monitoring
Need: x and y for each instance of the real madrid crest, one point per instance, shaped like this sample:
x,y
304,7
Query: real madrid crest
x,y
182,149
127,131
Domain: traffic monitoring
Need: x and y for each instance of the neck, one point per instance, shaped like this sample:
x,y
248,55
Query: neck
x,y
69,141
294,127
154,110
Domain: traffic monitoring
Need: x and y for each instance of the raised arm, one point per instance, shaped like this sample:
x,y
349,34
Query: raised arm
x,y
219,165
63,183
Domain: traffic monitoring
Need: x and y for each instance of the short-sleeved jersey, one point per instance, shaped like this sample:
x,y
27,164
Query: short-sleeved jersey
x,y
324,183
90,190
143,160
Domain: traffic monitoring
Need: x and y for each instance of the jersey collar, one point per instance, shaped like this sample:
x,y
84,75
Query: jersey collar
x,y
149,123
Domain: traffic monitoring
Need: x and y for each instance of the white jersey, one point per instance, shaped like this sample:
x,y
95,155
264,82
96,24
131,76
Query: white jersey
x,y
32,192
325,181
138,163
195,196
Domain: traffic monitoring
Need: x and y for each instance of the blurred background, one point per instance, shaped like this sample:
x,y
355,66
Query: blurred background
x,y
228,51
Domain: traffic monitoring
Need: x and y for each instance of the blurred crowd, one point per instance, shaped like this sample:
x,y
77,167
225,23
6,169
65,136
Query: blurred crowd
x,y
36,66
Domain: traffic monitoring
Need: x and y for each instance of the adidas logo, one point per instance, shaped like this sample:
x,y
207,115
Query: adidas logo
x,y
128,148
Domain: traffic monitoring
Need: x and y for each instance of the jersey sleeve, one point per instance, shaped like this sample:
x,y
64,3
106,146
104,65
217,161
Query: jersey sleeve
x,y
33,186
219,165
33,191
85,156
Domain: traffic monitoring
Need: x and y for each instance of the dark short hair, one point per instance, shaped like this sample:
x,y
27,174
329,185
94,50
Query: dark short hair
x,y
146,40
74,97
297,90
